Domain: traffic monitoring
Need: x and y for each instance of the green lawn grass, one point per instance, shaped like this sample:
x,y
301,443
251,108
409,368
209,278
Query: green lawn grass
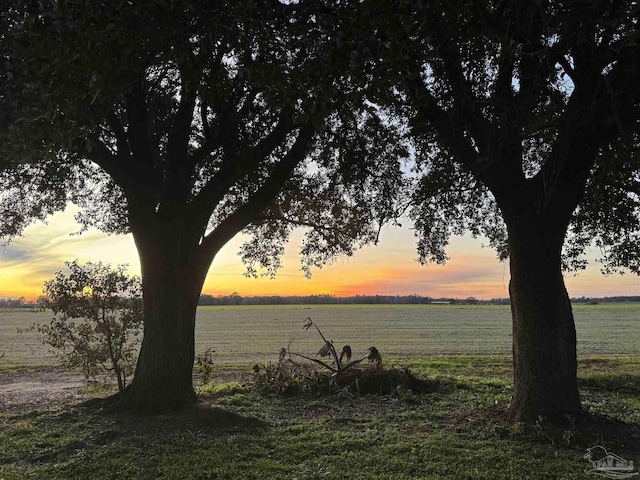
x,y
455,432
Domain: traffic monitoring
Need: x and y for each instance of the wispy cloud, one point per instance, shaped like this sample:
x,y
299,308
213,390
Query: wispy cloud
x,y
388,268
33,258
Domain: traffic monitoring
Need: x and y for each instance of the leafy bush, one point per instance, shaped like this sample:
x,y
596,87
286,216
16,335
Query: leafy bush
x,y
97,319
205,363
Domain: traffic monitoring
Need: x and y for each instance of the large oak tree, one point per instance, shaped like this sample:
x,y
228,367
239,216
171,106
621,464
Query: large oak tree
x,y
186,123
525,117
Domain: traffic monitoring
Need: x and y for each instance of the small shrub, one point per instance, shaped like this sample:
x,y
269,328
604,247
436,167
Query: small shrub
x,y
97,318
284,377
205,364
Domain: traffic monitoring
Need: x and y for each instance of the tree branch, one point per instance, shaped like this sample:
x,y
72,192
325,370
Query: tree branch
x,y
200,153
231,171
465,102
178,141
138,122
121,135
596,115
262,198
112,164
297,222
206,127
274,138
429,111
136,181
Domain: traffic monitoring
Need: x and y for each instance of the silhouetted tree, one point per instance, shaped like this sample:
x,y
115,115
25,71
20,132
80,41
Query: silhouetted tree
x,y
525,120
186,123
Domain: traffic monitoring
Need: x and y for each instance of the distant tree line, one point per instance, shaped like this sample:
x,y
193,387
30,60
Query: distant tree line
x,y
619,299
16,303
236,299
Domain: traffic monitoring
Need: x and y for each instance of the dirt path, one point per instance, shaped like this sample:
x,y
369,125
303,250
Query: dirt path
x,y
46,388
41,388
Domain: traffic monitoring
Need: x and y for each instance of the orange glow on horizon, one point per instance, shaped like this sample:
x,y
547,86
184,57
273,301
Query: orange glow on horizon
x,y
386,269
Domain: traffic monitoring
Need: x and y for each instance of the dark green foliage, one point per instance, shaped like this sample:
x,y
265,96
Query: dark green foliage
x,y
98,317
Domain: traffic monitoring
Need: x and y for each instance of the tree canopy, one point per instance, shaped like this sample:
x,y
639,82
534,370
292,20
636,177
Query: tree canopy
x,y
500,96
187,104
184,124
525,119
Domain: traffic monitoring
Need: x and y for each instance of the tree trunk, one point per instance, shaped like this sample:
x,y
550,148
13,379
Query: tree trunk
x,y
163,378
172,281
544,335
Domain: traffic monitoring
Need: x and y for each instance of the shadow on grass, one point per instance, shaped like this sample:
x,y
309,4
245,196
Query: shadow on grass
x,y
198,415
627,384
86,426
616,431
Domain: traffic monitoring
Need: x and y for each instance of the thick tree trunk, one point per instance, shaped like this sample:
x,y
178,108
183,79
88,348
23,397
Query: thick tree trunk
x,y
544,335
163,376
172,282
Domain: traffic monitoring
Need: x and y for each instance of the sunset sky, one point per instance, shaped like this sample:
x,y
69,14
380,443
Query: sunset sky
x,y
387,269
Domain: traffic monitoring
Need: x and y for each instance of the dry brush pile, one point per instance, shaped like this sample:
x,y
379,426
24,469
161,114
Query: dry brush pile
x,y
296,373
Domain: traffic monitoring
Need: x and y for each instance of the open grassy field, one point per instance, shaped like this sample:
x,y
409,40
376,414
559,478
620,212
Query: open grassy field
x,y
243,335
455,430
